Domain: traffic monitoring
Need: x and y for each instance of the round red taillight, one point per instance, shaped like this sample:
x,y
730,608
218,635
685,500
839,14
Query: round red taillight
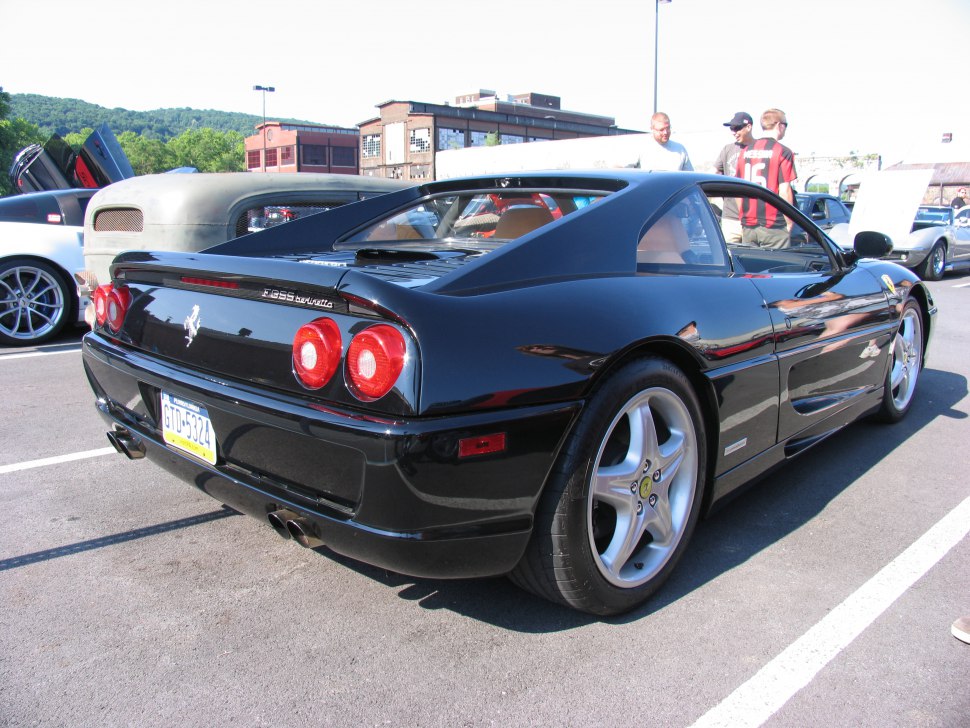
x,y
100,299
316,352
118,300
375,359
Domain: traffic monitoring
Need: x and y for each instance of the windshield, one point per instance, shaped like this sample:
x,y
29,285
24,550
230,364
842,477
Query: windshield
x,y
934,215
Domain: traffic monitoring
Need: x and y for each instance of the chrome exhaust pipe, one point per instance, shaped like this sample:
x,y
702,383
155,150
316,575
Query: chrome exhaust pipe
x,y
302,531
278,519
126,443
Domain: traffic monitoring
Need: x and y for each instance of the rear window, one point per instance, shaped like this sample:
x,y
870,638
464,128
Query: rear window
x,y
474,218
261,217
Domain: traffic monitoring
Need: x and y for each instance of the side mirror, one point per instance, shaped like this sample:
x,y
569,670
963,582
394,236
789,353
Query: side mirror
x,y
818,215
869,244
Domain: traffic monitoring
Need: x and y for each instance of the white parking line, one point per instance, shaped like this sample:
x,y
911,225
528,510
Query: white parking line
x,y
29,354
14,467
962,285
777,682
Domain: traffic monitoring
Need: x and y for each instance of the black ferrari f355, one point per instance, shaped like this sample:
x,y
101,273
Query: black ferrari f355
x,y
546,375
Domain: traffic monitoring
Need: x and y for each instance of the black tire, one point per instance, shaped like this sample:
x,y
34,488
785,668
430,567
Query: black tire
x,y
905,365
931,269
35,302
625,495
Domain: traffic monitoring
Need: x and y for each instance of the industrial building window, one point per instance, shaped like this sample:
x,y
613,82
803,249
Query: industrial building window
x,y
271,157
371,146
343,157
420,171
478,138
421,140
287,157
313,154
512,139
451,139
252,159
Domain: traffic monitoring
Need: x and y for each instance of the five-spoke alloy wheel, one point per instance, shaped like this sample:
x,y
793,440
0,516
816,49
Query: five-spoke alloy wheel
x,y
625,495
905,365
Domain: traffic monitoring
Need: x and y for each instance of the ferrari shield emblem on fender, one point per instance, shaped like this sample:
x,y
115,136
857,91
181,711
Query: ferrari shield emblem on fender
x,y
889,284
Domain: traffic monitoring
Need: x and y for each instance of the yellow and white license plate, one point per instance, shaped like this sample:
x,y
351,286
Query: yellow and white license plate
x,y
186,426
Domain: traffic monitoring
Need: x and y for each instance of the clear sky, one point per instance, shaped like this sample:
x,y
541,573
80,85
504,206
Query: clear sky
x,y
871,76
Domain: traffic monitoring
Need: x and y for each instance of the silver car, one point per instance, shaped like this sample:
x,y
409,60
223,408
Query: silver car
x,y
927,239
936,244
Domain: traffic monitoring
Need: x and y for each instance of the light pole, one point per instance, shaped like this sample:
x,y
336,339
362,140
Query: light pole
x,y
271,89
656,47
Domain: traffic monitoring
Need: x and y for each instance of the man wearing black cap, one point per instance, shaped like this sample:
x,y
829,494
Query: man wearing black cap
x,y
741,126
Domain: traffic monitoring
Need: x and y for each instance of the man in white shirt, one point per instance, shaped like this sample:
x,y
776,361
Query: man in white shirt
x,y
661,153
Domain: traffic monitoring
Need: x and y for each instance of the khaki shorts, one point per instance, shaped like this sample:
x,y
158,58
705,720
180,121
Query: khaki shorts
x,y
731,230
766,237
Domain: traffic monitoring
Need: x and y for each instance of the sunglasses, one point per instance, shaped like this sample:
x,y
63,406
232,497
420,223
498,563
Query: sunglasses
x,y
736,129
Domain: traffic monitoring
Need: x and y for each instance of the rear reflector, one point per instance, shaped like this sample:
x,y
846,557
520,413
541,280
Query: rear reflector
x,y
484,445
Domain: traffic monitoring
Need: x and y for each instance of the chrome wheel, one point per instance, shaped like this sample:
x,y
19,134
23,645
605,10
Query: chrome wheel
x,y
33,303
932,267
938,261
907,358
643,488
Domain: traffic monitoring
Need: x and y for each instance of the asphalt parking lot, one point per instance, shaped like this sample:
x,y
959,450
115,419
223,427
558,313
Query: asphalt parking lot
x,y
822,596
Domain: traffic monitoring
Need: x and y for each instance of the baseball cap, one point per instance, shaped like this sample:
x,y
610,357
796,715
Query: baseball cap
x,y
740,119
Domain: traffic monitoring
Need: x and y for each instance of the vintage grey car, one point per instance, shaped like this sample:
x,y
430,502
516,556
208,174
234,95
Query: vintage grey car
x,y
190,212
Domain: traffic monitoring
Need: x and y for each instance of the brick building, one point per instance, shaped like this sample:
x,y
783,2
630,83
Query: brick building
x,y
402,142
302,148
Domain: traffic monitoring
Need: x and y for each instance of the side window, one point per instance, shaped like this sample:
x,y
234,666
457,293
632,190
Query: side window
x,y
768,241
837,212
685,237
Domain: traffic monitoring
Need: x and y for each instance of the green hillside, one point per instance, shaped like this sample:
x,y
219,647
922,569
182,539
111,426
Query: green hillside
x,y
64,116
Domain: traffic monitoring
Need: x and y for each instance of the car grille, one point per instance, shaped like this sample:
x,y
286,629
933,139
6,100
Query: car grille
x,y
119,220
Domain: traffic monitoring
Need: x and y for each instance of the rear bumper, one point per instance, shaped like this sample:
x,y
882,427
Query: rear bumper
x,y
392,493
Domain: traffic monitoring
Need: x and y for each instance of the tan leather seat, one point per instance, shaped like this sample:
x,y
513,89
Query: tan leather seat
x,y
521,219
391,231
665,242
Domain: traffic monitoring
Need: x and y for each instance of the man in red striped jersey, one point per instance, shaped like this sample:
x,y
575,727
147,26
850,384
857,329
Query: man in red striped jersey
x,y
771,164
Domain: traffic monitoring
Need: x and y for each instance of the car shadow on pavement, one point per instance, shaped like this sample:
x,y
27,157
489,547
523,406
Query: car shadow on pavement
x,y
114,539
762,515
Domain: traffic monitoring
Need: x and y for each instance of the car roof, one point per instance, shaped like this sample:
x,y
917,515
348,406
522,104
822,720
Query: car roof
x,y
207,198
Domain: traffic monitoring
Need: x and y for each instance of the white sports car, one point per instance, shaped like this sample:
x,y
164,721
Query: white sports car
x,y
42,233
41,248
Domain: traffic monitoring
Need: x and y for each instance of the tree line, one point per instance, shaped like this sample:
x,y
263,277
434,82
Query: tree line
x,y
63,116
154,141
